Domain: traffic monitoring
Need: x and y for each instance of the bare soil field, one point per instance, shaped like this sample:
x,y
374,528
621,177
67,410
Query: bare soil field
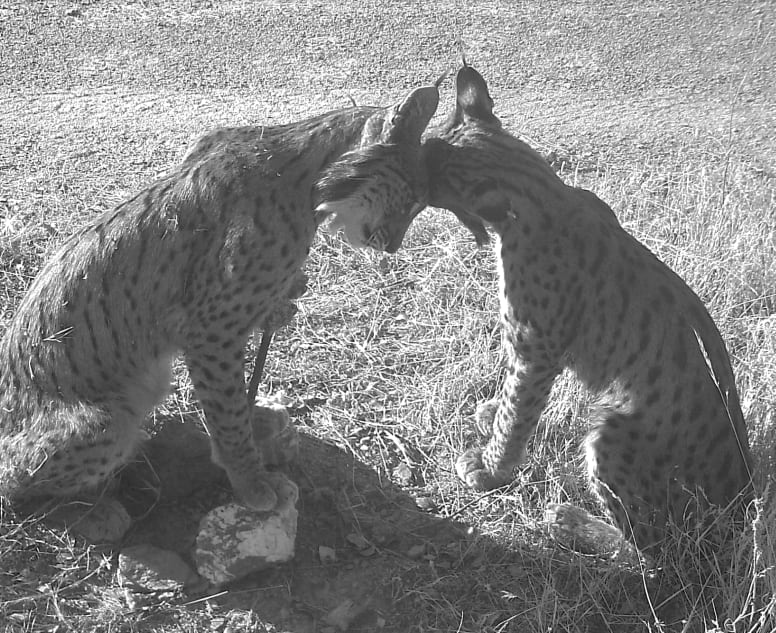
x,y
666,110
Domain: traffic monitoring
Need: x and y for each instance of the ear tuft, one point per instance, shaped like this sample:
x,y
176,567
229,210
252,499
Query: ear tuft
x,y
440,80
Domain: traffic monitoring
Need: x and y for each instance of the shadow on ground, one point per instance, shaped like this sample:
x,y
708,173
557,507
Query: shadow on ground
x,y
368,558
360,539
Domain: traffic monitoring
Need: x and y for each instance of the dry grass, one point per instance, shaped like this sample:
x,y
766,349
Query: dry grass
x,y
389,355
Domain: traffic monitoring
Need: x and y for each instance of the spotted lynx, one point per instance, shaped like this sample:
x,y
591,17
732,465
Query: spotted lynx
x,y
579,292
192,263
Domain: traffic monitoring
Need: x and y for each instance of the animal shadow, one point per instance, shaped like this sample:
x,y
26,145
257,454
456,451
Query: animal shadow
x,y
361,540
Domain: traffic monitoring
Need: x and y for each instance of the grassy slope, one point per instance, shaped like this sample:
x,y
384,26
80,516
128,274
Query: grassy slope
x,y
665,112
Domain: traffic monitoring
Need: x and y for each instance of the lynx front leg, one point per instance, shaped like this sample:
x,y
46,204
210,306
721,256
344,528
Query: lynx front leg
x,y
217,373
523,398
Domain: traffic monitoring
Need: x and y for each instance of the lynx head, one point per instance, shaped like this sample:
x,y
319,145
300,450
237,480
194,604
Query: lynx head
x,y
458,155
375,191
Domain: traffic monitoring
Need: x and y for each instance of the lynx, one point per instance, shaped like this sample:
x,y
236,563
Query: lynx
x,y
192,263
577,291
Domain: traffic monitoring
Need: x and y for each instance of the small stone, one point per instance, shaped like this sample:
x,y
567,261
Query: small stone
x,y
235,541
326,554
149,568
368,551
416,551
403,474
357,540
342,615
426,504
362,545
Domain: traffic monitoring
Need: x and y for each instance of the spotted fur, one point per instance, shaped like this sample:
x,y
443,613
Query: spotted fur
x,y
579,292
192,263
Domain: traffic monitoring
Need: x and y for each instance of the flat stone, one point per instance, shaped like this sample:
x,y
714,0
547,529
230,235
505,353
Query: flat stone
x,y
148,568
234,541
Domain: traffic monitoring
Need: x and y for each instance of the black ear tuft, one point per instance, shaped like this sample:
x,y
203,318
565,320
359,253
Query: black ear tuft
x,y
473,96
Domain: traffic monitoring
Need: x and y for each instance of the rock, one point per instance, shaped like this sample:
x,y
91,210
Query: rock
x,y
234,541
364,547
342,615
105,521
403,474
327,554
149,568
426,504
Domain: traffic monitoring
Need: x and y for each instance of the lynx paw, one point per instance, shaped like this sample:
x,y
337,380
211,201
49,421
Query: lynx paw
x,y
473,473
580,531
255,491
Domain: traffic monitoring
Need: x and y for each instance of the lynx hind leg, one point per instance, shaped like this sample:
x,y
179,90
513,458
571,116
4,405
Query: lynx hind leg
x,y
85,446
635,503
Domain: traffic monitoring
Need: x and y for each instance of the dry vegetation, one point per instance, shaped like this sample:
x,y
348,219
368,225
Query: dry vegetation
x,y
390,354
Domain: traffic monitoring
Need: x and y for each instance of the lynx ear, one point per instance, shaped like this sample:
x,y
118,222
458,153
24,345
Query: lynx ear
x,y
472,95
410,118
